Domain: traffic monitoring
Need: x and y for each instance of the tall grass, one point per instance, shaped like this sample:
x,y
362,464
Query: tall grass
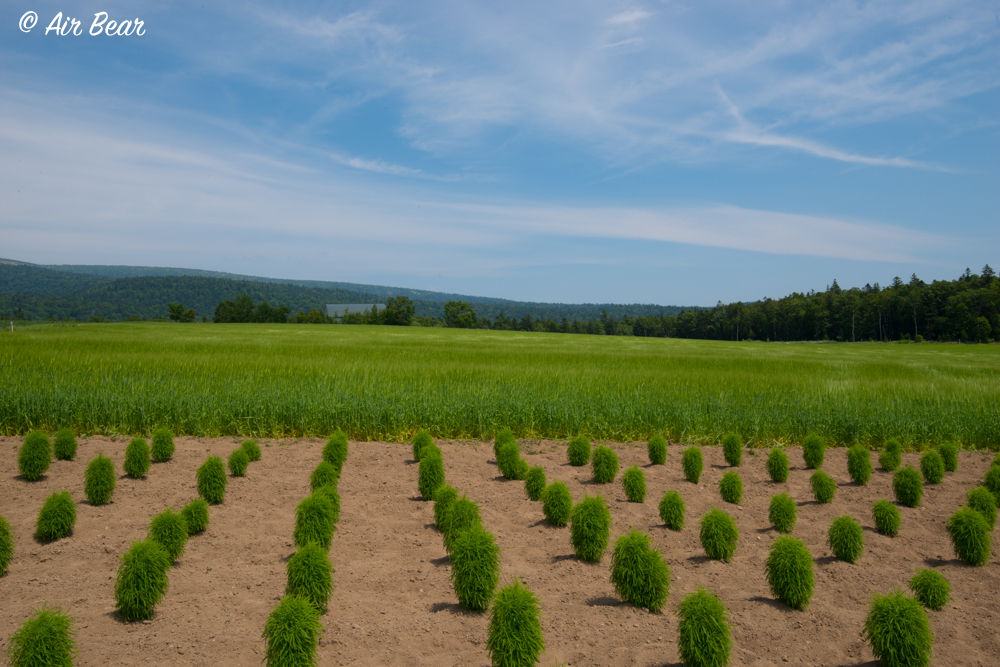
x,y
387,383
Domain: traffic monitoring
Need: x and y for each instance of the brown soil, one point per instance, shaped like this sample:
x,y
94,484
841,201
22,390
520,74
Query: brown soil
x,y
393,603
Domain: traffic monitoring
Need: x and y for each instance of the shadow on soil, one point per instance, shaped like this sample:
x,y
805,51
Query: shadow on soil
x,y
440,562
556,559
454,608
542,523
771,602
603,601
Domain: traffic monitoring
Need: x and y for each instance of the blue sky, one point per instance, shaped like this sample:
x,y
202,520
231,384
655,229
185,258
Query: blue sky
x,y
652,152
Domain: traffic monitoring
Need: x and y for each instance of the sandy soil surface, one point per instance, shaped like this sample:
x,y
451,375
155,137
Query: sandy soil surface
x,y
393,603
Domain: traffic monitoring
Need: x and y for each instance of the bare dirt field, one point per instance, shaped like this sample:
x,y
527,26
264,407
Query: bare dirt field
x,y
393,603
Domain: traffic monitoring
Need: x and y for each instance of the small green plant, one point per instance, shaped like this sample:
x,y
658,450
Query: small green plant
x,y
908,487
195,515
777,465
314,522
57,517
163,445
142,580
35,456
719,535
292,633
970,536
534,483
859,465
252,449
170,531
605,465
782,513
657,450
46,639
813,451
691,462
212,480
324,474
65,445
992,482
898,631
634,482
444,496
981,500
886,517
932,466
310,575
335,450
846,538
578,451
731,487
136,458
430,475
515,631
475,568
421,440
557,504
892,457
949,454
931,589
99,480
6,545
502,438
823,487
789,570
732,449
463,515
638,572
704,638
590,528
672,510
238,463
509,460
329,493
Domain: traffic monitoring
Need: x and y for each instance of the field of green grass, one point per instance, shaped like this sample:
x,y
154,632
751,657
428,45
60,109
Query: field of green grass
x,y
386,382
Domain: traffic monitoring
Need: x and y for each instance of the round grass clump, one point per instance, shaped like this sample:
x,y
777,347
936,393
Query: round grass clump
x,y
252,449
931,589
732,449
6,545
777,465
992,482
634,482
475,568
46,639
932,466
823,487
421,440
886,516
846,538
324,474
782,513
64,446
557,504
444,496
970,536
329,493
719,535
892,457
949,454
534,483
212,480
195,515
99,480
672,510
462,516
163,445
639,573
590,528
142,580
310,575
731,487
515,632
335,450
502,438
789,570
704,638
657,450
137,460
691,462
57,517
430,476
292,633
908,486
813,451
509,460
578,451
170,531
898,631
605,465
859,465
314,522
981,500
35,456
238,463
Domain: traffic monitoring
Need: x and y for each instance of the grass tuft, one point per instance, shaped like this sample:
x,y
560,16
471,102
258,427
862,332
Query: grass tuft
x,y
444,496
859,465
886,516
672,510
421,440
813,451
949,454
657,450
310,575
292,633
142,580
324,474
908,487
981,500
557,504
590,528
137,460
691,462
719,535
431,475
252,449
462,516
605,465
335,450
46,639
970,536
163,445
789,570
6,545
534,483
329,493
170,531
731,487
892,457
212,480
515,631
932,466
704,638
238,463
502,438
475,568
35,456
509,460
64,446
777,465
823,487
195,515
931,589
638,572
898,631
634,482
314,522
992,481
782,513
578,451
846,538
732,449
99,480
57,517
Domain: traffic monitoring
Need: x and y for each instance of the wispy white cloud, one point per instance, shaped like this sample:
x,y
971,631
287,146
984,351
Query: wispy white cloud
x,y
629,16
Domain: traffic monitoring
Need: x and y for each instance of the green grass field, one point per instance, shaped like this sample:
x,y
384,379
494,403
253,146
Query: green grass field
x,y
386,382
